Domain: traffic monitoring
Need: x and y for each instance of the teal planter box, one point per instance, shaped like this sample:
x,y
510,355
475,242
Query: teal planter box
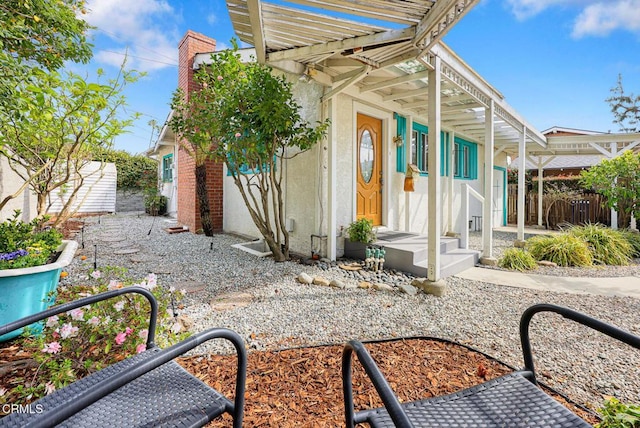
x,y
26,291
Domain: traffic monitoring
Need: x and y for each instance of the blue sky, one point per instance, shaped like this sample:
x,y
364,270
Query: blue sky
x,y
555,61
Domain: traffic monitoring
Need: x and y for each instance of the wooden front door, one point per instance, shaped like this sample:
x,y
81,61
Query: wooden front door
x,y
369,161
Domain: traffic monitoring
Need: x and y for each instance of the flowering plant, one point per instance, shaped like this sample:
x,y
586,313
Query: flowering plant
x,y
27,244
84,340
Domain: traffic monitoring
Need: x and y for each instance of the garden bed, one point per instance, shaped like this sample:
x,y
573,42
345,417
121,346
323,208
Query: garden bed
x,y
303,387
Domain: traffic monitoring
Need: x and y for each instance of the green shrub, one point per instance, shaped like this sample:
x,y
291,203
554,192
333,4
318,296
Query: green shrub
x,y
618,415
563,249
634,240
25,245
361,231
608,246
517,259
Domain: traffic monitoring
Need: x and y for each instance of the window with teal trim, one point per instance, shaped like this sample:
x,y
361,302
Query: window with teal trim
x,y
246,169
465,159
167,168
420,149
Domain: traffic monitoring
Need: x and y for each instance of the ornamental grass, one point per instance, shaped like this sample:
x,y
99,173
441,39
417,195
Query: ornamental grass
x,y
563,249
608,246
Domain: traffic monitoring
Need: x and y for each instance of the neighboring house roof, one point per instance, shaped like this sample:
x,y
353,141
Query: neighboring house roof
x,y
166,137
563,162
557,131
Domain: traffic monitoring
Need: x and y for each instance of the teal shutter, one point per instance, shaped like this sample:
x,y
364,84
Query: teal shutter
x,y
401,130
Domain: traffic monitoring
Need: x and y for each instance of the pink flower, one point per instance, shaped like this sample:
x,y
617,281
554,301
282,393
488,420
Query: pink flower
x,y
141,348
142,334
172,289
76,314
49,388
95,321
120,338
113,284
68,330
52,321
52,348
96,274
238,135
128,331
119,306
220,78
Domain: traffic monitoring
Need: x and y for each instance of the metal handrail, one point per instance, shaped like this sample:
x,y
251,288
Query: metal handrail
x,y
464,235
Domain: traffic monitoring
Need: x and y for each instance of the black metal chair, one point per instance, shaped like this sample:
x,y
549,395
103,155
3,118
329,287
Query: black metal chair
x,y
513,400
145,390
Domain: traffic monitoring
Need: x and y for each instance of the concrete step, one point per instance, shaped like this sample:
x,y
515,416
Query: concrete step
x,y
407,252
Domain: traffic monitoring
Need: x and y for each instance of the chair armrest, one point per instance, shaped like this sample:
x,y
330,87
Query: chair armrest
x,y
578,317
391,403
55,310
99,390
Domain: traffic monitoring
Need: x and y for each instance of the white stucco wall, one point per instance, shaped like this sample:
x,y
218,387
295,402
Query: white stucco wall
x,y
10,182
302,178
306,178
169,189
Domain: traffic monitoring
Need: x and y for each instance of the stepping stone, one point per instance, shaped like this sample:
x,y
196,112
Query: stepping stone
x,y
143,258
121,244
190,286
231,301
112,239
127,251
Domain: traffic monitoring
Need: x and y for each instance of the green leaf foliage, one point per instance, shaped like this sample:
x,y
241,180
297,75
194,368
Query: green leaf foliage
x,y
244,115
25,244
619,415
618,181
517,259
563,249
633,237
49,137
608,246
361,231
135,172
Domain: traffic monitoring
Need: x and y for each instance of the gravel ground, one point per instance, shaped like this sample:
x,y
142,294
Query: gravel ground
x,y
284,313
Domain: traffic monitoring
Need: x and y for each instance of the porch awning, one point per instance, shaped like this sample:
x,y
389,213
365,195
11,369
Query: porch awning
x,y
380,50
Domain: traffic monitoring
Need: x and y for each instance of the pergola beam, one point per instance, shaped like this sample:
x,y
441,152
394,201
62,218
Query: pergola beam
x,y
389,36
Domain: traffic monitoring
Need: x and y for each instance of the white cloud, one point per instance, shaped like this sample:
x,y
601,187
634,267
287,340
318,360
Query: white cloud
x,y
602,18
594,17
144,28
524,9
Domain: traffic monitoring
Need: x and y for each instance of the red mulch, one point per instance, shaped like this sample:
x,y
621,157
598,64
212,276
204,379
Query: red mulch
x,y
303,387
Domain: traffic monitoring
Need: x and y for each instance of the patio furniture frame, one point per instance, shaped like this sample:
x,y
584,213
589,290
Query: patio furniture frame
x,y
510,400
147,389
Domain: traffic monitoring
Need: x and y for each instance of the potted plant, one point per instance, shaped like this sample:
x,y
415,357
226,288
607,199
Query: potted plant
x,y
154,202
31,259
360,233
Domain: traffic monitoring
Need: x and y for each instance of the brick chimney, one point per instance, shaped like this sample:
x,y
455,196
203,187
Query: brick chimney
x,y
188,210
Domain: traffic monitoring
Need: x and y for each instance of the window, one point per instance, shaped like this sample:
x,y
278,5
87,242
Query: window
x,y
465,159
420,147
416,150
167,168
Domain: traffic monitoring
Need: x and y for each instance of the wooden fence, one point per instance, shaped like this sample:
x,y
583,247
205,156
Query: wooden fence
x,y
585,208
